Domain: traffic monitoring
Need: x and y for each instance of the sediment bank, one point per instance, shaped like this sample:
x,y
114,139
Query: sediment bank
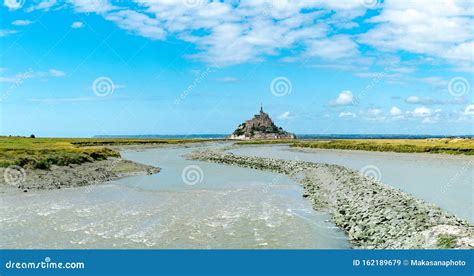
x,y
373,214
17,179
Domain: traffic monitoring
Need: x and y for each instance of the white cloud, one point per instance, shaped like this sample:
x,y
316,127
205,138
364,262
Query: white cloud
x,y
247,31
395,111
43,5
429,120
21,22
422,111
425,112
374,111
227,79
13,4
56,73
7,32
413,100
285,116
432,101
437,82
30,74
234,32
344,98
336,47
469,110
434,28
347,115
138,23
374,114
77,25
427,115
96,6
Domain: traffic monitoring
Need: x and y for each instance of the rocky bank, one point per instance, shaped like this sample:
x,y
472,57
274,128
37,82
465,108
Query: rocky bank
x,y
16,179
374,215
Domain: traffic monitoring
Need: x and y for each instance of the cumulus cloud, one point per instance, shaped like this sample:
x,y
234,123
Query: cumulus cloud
x,y
56,73
432,101
13,4
285,116
374,114
43,5
7,32
30,74
432,28
395,111
347,115
469,110
422,111
138,23
21,22
344,98
228,32
96,6
77,25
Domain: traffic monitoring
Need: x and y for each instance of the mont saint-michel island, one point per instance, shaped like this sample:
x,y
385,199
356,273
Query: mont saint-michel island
x,y
260,127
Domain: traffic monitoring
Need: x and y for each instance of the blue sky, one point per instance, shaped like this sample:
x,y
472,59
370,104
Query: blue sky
x,y
89,67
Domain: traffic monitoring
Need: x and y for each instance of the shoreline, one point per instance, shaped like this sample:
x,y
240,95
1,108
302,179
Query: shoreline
x,y
19,180
374,215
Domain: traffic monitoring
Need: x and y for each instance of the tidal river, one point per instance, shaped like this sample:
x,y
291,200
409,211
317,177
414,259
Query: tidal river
x,y
444,180
189,204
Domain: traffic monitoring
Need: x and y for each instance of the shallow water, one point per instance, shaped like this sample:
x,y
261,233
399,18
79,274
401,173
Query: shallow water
x,y
446,181
226,207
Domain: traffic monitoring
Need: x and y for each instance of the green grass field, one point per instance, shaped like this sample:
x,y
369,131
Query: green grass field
x,y
41,153
442,145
